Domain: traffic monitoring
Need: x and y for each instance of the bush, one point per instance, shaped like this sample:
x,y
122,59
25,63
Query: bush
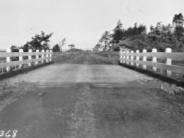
x,y
56,48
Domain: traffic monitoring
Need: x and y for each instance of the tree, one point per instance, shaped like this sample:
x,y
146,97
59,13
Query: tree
x,y
158,27
133,31
56,48
166,29
179,32
178,20
62,43
14,48
39,41
117,33
97,47
71,46
151,28
105,40
141,29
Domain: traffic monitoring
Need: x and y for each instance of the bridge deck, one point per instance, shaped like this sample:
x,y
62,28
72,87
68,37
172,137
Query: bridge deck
x,y
88,101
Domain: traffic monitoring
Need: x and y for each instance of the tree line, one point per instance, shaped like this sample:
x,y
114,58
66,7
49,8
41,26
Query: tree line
x,y
38,41
41,42
137,37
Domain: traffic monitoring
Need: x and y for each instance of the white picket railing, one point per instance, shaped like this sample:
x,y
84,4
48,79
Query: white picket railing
x,y
162,63
10,61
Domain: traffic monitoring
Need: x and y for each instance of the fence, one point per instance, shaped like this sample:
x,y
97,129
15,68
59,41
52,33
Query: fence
x,y
10,61
169,64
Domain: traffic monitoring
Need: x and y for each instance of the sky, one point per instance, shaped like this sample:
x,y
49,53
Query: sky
x,y
81,22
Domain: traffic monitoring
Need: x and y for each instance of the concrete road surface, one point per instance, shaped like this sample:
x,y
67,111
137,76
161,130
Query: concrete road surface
x,y
88,101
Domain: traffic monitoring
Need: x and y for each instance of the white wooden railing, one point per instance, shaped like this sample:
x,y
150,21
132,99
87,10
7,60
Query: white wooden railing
x,y
10,61
168,63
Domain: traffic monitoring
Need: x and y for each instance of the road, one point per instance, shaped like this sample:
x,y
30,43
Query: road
x,y
88,101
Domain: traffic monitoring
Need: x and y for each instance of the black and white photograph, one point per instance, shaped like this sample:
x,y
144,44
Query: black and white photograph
x,y
91,69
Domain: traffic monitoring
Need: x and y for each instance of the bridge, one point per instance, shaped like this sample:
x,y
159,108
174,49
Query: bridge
x,y
84,95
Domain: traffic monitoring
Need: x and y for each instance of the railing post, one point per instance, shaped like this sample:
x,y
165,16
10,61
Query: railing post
x,y
132,58
123,57
37,57
30,57
47,56
120,55
137,58
20,57
168,61
144,59
127,57
8,59
154,59
43,55
50,55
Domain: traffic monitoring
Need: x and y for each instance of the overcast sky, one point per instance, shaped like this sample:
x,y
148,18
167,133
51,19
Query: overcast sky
x,y
81,22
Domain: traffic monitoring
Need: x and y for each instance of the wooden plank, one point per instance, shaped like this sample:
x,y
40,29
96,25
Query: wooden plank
x,y
15,63
173,68
177,56
17,54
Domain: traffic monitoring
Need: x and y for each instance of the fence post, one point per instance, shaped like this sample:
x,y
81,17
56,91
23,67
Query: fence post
x,y
20,57
127,57
144,59
50,55
37,57
47,56
123,57
168,61
137,58
132,58
30,57
43,55
154,59
120,55
8,59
